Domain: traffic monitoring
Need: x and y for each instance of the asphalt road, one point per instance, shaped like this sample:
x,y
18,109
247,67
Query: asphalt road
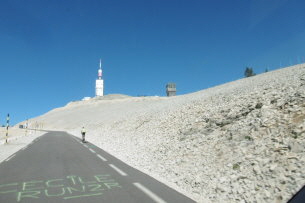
x,y
58,167
299,197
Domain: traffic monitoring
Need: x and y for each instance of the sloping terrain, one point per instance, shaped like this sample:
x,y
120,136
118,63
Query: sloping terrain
x,y
238,142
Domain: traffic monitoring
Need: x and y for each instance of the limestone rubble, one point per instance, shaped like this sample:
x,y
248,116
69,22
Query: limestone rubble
x,y
243,141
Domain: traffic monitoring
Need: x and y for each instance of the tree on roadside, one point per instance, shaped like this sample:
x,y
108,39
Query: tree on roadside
x,y
249,72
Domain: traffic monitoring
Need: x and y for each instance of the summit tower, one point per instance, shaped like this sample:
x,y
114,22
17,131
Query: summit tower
x,y
99,83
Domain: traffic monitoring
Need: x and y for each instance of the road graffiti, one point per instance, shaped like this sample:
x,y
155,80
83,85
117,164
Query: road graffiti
x,y
68,187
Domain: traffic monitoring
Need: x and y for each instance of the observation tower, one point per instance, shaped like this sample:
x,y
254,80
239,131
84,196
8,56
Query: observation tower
x,y
99,83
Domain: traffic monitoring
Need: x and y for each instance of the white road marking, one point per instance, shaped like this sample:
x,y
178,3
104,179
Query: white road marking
x,y
149,193
101,157
92,150
85,145
9,158
118,170
77,140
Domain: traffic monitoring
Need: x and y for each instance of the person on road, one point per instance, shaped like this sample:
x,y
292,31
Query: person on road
x,y
83,133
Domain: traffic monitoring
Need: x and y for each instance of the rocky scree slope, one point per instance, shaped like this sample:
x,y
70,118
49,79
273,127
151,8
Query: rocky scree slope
x,y
243,141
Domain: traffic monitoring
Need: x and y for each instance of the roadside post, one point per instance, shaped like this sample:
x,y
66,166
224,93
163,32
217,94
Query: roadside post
x,y
7,124
26,127
36,124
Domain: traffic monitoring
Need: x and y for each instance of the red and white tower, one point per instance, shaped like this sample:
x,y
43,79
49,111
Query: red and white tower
x,y
99,84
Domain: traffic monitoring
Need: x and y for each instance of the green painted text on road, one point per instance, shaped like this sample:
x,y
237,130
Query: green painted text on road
x,y
65,188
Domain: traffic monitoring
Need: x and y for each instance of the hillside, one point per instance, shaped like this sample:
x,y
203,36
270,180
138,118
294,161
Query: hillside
x,y
237,142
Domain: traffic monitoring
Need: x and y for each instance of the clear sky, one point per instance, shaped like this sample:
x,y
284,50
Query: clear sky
x,y
50,49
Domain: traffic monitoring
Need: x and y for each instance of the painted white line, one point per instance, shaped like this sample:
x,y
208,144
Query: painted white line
x,y
10,157
149,193
101,157
85,145
75,138
92,150
118,170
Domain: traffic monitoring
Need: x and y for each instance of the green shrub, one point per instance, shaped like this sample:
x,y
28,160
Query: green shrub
x,y
236,166
249,72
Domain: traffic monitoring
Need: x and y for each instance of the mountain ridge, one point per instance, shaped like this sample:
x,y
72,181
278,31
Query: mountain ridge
x,y
239,141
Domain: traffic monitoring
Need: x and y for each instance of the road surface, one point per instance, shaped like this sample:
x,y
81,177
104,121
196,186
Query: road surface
x,y
57,167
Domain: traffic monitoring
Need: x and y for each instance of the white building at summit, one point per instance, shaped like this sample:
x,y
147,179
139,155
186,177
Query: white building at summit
x,y
99,84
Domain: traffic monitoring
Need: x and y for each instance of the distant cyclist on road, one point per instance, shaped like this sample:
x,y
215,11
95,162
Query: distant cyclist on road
x,y
83,133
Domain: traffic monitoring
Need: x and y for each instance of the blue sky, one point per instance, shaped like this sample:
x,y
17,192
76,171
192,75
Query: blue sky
x,y
50,49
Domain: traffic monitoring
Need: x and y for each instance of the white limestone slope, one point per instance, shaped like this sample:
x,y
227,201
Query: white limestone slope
x,y
238,142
